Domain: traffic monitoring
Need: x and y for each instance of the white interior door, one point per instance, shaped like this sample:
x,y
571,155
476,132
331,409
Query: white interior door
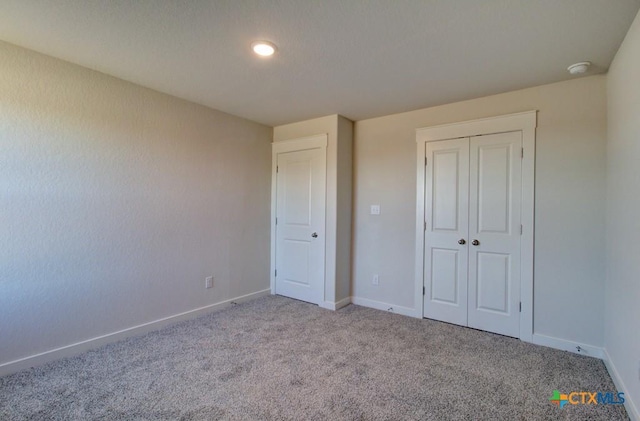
x,y
472,234
445,251
495,232
300,225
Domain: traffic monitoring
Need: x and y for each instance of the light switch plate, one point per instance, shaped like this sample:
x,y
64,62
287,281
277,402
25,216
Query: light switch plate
x,y
375,209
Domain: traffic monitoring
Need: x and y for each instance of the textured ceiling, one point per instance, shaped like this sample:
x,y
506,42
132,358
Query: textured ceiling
x,y
360,59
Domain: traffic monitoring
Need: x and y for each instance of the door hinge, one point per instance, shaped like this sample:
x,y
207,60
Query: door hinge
x,y
521,152
424,290
425,161
520,306
277,169
520,229
276,273
425,225
276,221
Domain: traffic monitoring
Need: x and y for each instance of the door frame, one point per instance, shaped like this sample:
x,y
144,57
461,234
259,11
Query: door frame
x,y
295,145
525,122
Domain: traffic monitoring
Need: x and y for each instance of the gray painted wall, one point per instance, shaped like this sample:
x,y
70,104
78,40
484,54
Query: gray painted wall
x,y
622,314
569,211
116,201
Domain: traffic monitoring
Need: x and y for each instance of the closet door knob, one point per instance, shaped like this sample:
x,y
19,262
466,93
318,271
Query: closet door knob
x,y
475,242
461,241
314,235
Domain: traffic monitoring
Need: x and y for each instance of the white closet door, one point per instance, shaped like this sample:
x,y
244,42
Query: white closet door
x,y
446,217
494,232
300,228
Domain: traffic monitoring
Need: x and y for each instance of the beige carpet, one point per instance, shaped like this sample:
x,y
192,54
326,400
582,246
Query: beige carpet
x,y
281,359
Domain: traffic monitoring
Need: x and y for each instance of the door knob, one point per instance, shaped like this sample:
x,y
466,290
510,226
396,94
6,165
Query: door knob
x,y
475,242
314,235
461,241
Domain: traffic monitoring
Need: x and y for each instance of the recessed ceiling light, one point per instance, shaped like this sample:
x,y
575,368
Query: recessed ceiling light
x,y
578,68
263,48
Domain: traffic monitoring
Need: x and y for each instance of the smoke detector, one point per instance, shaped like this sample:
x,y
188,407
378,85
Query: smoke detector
x,y
579,68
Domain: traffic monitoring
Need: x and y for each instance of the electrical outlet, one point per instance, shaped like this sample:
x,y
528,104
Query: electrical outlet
x,y
375,209
375,280
208,282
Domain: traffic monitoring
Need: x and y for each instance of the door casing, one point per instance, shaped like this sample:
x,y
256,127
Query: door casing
x,y
526,123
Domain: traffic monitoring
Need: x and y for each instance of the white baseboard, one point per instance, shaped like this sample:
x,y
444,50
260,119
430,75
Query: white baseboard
x,y
565,345
327,305
343,303
629,404
391,308
82,346
337,305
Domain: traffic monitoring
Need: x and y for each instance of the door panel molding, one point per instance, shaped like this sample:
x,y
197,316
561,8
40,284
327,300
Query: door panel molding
x,y
447,293
524,122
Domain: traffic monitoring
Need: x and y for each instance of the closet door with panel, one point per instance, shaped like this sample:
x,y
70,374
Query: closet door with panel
x,y
473,231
